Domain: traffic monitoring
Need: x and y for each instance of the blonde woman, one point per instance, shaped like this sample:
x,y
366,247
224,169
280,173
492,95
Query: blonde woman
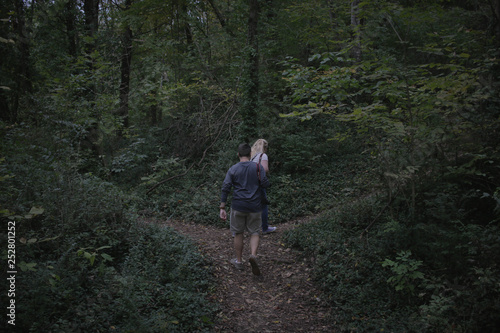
x,y
259,155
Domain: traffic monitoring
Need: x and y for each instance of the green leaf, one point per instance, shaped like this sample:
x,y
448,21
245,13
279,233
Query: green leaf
x,y
92,259
27,266
107,257
34,211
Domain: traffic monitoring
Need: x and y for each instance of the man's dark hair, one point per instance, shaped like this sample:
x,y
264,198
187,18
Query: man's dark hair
x,y
244,150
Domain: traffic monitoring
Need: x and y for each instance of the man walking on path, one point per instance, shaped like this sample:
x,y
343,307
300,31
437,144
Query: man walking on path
x,y
246,206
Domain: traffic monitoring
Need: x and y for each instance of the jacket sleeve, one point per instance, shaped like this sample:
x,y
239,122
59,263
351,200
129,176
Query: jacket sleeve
x,y
226,187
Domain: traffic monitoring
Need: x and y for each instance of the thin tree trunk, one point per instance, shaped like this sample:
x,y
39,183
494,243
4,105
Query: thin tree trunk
x,y
91,17
496,8
220,17
23,81
126,60
91,9
70,27
187,27
251,87
253,20
5,113
356,27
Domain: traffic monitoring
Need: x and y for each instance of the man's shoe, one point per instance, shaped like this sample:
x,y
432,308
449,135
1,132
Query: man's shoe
x,y
237,264
269,230
255,266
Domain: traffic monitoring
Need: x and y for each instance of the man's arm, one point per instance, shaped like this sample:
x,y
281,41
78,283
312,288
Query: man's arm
x,y
226,188
222,211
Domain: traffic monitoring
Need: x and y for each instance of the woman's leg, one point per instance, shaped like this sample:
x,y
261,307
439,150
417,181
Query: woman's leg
x,y
265,217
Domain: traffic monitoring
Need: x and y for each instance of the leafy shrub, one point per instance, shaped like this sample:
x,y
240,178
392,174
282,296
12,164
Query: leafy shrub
x,y
405,270
446,284
350,271
161,285
164,283
80,252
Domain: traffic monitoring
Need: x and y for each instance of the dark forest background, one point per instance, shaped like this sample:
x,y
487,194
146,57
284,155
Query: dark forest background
x,y
383,121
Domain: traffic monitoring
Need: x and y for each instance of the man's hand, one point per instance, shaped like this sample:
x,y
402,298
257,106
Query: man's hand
x,y
223,214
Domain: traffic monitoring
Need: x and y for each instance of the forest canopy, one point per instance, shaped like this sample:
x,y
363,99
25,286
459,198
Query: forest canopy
x,y
383,120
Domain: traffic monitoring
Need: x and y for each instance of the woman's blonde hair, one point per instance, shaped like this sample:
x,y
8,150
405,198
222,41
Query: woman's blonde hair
x,y
260,146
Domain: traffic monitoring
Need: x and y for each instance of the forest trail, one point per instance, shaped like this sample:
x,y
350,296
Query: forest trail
x,y
282,299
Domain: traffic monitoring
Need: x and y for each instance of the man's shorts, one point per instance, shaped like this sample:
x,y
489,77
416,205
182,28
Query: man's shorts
x,y
241,222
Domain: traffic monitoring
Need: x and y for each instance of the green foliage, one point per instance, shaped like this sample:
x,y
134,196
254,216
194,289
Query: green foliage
x,y
433,281
405,270
415,115
77,240
349,271
422,103
164,283
403,141
161,284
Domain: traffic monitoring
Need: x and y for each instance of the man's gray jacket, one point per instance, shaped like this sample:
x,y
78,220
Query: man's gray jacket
x,y
244,179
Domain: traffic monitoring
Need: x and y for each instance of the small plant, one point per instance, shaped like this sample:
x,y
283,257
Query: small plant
x,y
405,271
92,254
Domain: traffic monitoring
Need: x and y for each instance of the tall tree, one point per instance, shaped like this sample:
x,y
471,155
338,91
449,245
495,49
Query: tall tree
x,y
23,68
6,54
91,14
91,9
496,12
356,27
250,99
70,18
126,60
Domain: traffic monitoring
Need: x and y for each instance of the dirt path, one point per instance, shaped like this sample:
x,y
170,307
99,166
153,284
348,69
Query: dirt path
x,y
282,299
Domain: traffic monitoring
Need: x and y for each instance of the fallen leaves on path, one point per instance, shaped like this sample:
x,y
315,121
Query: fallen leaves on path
x,y
282,299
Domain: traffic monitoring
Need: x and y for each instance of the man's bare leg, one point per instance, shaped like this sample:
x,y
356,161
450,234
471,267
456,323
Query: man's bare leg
x,y
254,244
238,246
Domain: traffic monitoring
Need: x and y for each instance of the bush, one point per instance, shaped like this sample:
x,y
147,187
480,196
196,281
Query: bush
x,y
161,285
402,276
83,262
165,281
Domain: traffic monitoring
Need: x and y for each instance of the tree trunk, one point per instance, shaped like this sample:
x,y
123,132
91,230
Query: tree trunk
x,y
496,8
23,80
91,18
126,60
254,46
356,28
5,113
220,17
187,27
70,27
91,9
251,84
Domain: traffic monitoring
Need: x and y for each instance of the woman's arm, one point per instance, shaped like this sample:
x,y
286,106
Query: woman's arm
x,y
265,165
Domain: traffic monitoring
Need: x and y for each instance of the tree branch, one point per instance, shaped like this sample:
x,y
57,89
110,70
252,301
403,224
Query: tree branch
x,y
204,152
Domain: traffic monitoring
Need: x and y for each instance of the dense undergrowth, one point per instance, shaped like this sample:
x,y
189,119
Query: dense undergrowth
x,y
402,276
85,261
85,256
